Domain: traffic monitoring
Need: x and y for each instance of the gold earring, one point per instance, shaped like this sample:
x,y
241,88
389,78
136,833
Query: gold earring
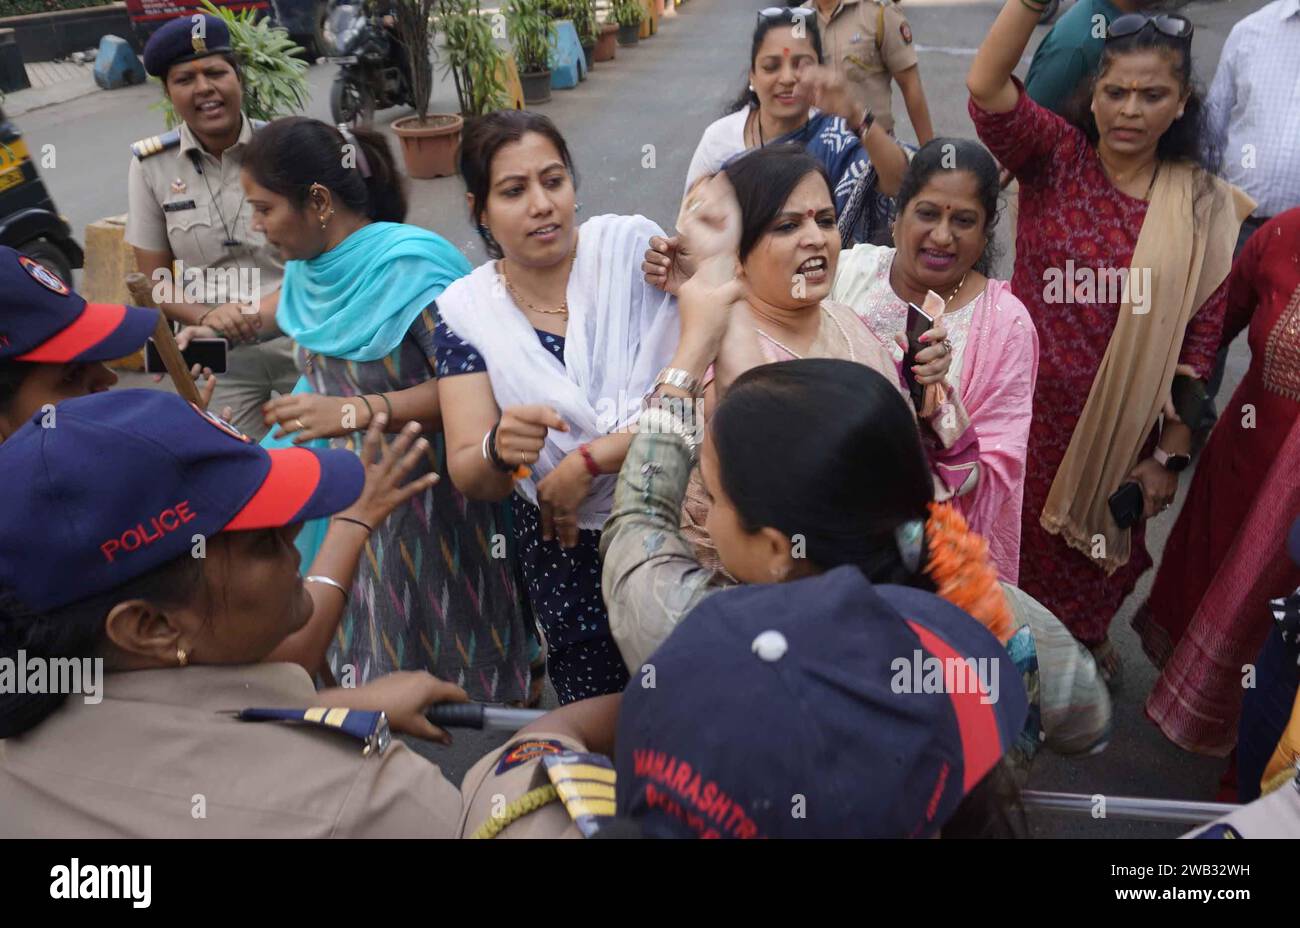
x,y
182,656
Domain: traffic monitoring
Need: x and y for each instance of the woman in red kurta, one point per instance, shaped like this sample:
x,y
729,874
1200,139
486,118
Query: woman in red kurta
x,y
1081,212
1197,699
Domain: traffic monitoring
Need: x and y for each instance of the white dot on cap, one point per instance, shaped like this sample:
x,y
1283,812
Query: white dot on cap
x,y
770,646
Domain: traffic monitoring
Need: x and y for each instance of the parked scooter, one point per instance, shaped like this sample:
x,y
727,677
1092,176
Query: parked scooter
x,y
373,73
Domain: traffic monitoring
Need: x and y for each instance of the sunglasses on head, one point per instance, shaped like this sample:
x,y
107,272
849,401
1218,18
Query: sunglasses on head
x,y
1170,24
779,13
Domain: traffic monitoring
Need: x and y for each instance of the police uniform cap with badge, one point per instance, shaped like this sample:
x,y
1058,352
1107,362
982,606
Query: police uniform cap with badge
x,y
774,715
171,718
45,327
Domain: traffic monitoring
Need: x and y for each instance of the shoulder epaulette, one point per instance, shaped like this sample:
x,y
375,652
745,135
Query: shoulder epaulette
x,y
585,784
156,143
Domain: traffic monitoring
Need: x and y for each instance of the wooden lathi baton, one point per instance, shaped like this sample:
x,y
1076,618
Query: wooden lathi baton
x,y
141,295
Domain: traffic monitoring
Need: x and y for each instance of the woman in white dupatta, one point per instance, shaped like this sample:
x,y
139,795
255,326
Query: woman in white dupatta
x,y
543,357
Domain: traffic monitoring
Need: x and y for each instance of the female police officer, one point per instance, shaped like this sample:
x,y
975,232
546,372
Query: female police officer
x,y
170,565
186,205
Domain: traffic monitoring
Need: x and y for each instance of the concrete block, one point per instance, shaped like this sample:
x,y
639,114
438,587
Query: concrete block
x,y
116,64
568,64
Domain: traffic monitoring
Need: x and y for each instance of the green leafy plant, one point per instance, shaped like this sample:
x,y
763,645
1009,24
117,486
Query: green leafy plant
x,y
275,81
530,34
415,27
583,14
472,58
627,12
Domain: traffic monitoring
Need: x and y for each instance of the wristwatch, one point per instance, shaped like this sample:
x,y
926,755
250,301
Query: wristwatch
x,y
1174,463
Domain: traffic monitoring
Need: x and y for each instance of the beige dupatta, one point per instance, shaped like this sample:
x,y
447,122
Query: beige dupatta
x,y
1187,263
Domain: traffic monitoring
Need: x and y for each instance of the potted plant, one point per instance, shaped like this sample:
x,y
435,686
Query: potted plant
x,y
628,14
606,44
530,36
429,143
274,78
472,57
583,14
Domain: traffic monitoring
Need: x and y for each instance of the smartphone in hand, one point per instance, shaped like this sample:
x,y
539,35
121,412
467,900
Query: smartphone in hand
x,y
207,353
918,323
1126,504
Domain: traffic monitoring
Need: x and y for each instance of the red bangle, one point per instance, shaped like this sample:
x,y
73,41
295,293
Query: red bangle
x,y
592,467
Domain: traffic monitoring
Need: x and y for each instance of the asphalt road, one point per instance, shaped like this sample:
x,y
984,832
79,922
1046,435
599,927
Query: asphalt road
x,y
662,93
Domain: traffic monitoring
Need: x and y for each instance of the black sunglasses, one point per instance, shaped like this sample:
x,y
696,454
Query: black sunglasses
x,y
780,13
1170,24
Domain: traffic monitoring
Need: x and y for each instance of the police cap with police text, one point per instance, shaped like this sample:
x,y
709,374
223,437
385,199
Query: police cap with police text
x,y
108,487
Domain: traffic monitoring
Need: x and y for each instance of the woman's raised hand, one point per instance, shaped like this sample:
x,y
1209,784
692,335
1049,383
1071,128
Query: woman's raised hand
x,y
708,227
387,467
830,94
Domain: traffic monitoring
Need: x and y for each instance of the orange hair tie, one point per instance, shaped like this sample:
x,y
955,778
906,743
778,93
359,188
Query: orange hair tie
x,y
960,568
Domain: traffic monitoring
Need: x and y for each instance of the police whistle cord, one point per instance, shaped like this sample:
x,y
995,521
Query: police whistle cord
x,y
141,295
1128,807
480,715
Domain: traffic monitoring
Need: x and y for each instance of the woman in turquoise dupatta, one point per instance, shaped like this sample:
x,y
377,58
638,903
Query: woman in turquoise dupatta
x,y
435,587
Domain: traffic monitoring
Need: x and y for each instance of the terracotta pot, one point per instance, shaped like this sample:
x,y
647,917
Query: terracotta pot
x,y
429,150
537,86
607,45
629,35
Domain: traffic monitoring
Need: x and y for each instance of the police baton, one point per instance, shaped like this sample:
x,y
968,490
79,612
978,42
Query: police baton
x,y
141,295
481,716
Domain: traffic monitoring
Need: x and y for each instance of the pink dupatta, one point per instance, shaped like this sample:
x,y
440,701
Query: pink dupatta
x,y
1001,342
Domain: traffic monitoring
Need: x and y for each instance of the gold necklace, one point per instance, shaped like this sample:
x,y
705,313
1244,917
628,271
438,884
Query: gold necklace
x,y
960,283
848,343
563,309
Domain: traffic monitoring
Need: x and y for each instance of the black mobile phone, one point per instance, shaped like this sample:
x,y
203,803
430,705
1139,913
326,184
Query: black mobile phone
x,y
1126,504
1189,396
205,352
918,323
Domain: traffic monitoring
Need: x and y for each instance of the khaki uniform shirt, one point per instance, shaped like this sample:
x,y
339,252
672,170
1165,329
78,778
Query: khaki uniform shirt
x,y
175,207
506,775
161,757
850,45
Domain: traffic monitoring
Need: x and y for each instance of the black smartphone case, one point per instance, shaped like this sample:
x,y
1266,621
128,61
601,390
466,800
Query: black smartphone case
x,y
1126,504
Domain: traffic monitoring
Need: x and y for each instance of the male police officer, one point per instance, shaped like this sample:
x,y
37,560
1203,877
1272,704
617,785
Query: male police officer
x,y
187,206
869,42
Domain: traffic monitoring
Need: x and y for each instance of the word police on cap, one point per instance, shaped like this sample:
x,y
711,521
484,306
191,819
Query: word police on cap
x,y
169,520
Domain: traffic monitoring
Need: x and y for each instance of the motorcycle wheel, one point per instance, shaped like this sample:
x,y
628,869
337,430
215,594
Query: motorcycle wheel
x,y
351,103
49,256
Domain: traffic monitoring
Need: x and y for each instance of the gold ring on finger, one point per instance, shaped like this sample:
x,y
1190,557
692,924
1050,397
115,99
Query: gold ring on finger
x,y
301,427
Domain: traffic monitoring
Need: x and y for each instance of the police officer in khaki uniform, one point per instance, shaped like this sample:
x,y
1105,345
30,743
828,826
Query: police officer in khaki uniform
x,y
187,206
183,728
870,43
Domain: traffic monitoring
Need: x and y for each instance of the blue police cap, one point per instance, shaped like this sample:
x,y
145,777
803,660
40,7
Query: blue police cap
x,y
185,39
163,471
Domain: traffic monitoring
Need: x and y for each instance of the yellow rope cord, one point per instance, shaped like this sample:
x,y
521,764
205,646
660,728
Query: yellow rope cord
x,y
529,802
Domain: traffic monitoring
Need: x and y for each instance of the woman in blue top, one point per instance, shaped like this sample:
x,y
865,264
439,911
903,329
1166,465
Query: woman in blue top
x,y
792,98
436,586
